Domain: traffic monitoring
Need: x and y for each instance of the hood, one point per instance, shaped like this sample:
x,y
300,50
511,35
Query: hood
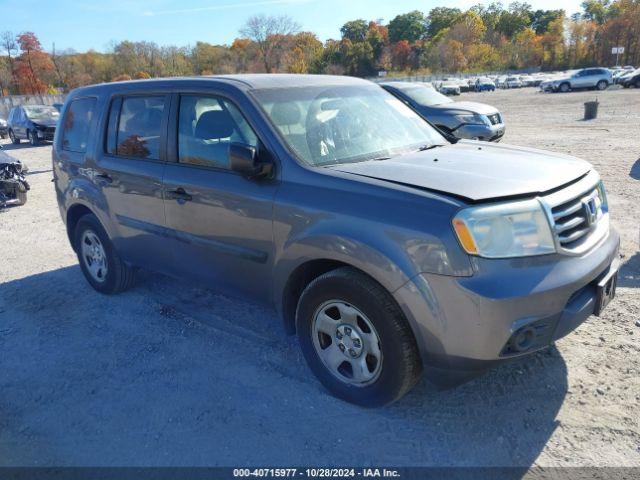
x,y
465,107
45,122
476,171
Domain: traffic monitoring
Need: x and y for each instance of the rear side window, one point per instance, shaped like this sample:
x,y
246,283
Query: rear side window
x,y
136,131
75,126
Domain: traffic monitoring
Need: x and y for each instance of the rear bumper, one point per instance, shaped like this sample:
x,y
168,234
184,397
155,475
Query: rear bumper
x,y
465,323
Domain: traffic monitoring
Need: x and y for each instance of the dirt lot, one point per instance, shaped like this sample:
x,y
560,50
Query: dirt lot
x,y
173,374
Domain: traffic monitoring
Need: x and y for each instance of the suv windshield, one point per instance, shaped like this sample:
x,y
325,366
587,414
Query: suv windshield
x,y
41,112
425,96
341,124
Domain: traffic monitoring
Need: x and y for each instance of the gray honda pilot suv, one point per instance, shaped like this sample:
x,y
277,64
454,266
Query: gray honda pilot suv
x,y
384,247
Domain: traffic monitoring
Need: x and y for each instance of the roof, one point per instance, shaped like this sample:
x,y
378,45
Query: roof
x,y
250,81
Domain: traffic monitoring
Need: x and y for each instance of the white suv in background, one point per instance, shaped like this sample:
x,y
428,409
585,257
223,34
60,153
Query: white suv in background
x,y
598,78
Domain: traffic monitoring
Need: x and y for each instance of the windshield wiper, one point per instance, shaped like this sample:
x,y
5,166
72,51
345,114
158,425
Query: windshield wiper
x,y
377,159
429,146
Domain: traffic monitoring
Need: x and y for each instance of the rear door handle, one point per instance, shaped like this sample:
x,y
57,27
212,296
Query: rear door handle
x,y
179,194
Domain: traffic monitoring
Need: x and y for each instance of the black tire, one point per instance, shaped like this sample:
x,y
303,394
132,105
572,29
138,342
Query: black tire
x,y
401,366
33,139
120,276
564,87
22,197
637,83
15,140
602,85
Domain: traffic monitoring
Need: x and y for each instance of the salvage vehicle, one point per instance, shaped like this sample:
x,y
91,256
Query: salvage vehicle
x,y
594,78
387,249
471,120
13,185
34,123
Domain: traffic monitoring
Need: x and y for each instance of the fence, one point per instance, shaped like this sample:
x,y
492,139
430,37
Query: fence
x,y
6,103
441,76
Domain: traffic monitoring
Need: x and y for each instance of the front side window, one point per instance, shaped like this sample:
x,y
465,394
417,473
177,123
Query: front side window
x,y
139,127
206,128
327,125
76,123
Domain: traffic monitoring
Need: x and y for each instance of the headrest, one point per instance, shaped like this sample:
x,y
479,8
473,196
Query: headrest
x,y
285,114
214,124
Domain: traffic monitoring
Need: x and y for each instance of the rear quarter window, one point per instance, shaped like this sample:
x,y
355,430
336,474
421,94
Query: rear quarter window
x,y
76,124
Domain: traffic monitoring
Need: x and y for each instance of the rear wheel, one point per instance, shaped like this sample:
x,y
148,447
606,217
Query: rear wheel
x,y
356,339
99,261
602,85
15,140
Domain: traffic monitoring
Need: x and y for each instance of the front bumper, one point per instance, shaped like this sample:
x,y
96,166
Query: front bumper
x,y
465,323
492,133
46,134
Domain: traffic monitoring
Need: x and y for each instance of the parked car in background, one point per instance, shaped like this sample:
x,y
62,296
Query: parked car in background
x,y
470,120
484,84
501,81
598,78
449,88
383,246
513,82
527,80
3,128
630,79
34,123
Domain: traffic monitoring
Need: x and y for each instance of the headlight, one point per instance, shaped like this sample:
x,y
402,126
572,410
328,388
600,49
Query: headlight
x,y
515,229
602,196
473,119
3,122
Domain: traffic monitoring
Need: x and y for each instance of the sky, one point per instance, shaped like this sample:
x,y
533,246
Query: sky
x,y
88,24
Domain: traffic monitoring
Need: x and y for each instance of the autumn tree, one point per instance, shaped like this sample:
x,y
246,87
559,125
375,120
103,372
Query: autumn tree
x,y
270,34
32,65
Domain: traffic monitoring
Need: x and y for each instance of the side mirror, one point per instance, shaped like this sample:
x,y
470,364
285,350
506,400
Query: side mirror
x,y
243,159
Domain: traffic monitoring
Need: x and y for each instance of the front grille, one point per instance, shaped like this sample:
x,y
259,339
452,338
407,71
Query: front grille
x,y
575,219
495,119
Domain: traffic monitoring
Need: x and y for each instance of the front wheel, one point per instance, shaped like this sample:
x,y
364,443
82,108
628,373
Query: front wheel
x,y
356,340
12,136
565,87
99,261
33,138
602,85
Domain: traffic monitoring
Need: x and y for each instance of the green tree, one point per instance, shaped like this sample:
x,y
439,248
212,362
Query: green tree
x,y
514,20
440,18
409,26
541,19
355,30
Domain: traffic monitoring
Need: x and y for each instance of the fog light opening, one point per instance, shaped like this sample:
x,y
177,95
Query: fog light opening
x,y
524,339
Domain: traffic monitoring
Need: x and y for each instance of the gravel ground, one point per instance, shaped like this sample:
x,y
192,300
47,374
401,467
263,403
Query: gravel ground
x,y
173,374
